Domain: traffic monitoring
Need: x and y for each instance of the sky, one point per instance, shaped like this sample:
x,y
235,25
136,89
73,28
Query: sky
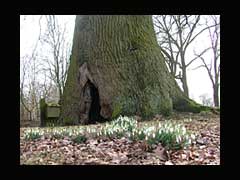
x,y
198,80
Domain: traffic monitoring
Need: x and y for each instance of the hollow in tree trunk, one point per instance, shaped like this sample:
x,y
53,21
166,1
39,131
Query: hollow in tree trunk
x,y
116,68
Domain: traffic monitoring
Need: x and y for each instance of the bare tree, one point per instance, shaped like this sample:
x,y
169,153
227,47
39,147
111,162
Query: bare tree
x,y
46,87
28,88
43,77
23,104
206,101
176,33
56,64
31,89
213,69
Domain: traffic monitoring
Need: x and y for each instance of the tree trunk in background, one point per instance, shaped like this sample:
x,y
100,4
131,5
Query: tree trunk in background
x,y
184,81
215,95
116,68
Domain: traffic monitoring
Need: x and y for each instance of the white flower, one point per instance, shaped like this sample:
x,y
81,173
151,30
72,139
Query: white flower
x,y
179,139
159,124
183,130
193,136
153,135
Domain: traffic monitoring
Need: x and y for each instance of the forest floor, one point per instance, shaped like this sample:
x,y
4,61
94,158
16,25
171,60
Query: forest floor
x,y
111,151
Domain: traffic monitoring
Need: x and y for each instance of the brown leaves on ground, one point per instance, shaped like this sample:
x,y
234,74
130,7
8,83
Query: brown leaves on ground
x,y
51,151
161,153
206,149
94,151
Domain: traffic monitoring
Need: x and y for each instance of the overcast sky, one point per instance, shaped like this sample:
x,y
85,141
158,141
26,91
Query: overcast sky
x,y
198,80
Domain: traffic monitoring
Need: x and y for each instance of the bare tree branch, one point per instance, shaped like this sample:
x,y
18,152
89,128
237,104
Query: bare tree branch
x,y
55,38
215,73
203,52
175,34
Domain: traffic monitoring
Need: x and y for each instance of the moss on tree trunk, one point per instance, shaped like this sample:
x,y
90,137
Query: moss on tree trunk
x,y
121,58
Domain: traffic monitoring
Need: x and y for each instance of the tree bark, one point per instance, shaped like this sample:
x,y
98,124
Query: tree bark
x,y
116,68
215,95
184,81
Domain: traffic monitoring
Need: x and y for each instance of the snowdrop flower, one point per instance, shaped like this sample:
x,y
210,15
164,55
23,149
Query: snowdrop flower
x,y
183,130
179,139
193,136
153,135
151,128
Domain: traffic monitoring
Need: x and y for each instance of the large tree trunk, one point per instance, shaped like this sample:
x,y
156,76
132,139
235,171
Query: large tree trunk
x,y
116,67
